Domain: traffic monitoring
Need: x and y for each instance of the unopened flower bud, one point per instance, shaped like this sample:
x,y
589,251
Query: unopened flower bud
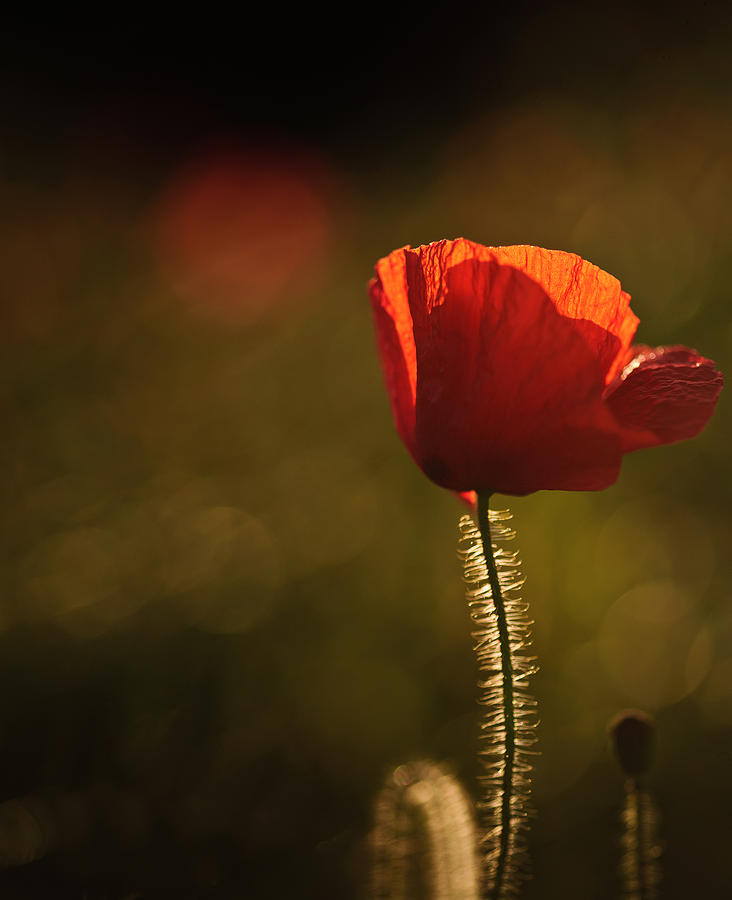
x,y
634,735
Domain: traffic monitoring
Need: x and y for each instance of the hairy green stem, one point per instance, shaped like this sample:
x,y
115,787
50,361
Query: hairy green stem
x,y
424,840
634,802
640,870
507,671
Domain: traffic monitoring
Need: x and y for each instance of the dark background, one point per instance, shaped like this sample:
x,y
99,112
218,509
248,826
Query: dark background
x,y
232,602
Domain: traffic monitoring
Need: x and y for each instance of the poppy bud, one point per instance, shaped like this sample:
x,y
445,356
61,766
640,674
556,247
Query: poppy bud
x,y
634,735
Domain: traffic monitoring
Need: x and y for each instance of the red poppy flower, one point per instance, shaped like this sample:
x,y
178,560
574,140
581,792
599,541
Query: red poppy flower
x,y
510,369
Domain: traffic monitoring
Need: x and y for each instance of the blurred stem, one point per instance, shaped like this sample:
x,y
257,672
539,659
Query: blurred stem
x,y
507,674
424,839
634,809
640,869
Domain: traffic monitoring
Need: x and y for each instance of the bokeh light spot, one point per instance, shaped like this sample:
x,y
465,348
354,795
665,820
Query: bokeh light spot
x,y
716,694
76,580
217,565
656,538
326,505
238,233
650,644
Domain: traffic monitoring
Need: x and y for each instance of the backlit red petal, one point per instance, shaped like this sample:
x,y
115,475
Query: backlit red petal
x,y
663,395
395,340
582,292
508,388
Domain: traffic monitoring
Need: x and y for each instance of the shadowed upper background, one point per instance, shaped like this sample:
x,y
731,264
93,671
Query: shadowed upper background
x,y
232,601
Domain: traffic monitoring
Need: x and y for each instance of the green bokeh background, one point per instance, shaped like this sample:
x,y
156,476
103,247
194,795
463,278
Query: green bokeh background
x,y
233,603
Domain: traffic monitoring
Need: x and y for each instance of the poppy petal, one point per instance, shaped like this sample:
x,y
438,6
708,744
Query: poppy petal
x,y
663,395
582,292
498,366
395,340
470,498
